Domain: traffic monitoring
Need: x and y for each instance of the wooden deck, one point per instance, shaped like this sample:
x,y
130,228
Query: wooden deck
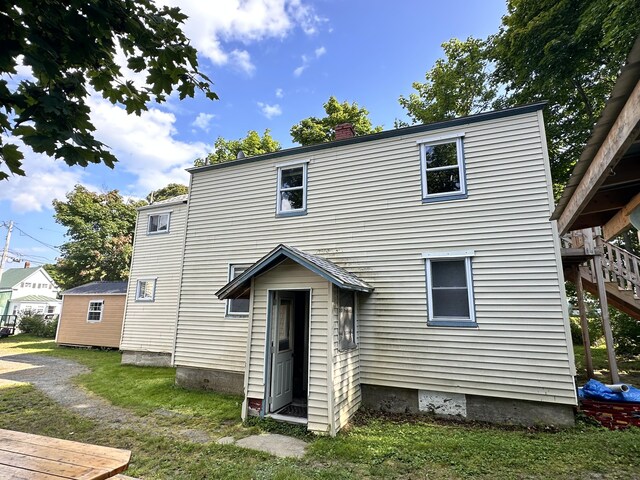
x,y
33,457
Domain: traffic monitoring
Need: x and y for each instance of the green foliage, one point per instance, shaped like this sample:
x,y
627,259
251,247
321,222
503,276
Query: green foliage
x,y
71,47
568,52
456,86
626,333
251,145
36,325
314,130
100,229
165,193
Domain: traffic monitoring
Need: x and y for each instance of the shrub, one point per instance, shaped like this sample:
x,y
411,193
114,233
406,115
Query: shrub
x,y
626,333
576,331
35,324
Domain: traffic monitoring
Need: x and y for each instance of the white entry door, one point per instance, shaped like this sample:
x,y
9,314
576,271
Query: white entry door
x,y
282,366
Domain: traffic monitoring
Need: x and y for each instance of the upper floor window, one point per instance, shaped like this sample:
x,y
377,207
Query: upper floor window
x,y
442,160
94,315
159,223
292,190
240,304
450,289
146,290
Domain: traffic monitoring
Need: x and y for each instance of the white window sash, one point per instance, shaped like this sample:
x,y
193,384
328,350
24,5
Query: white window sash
x,y
459,165
90,311
303,187
158,214
139,290
459,255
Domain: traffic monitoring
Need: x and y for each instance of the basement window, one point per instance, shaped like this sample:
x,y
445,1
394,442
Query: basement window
x,y
442,165
450,300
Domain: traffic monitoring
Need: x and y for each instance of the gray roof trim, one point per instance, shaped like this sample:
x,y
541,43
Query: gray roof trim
x,y
626,82
398,132
99,288
318,265
165,203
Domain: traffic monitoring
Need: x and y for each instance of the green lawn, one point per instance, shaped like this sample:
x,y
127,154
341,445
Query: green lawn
x,y
628,366
374,446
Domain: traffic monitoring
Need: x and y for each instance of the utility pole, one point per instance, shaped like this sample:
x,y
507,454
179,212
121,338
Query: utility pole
x,y
5,252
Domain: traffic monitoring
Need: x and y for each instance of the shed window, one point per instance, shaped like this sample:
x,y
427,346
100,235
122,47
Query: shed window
x,y
346,320
94,315
240,304
450,289
146,290
443,169
292,190
159,223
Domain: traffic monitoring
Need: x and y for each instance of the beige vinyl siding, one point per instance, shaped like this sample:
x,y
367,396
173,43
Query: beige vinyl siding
x,y
346,371
75,330
291,276
150,326
365,213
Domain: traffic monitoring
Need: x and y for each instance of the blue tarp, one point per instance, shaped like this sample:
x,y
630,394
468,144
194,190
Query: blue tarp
x,y
596,390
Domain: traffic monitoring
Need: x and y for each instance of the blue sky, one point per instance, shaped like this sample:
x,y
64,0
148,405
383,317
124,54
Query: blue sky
x,y
273,63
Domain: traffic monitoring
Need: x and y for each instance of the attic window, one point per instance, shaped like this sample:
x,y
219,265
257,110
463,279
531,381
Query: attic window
x,y
442,160
158,223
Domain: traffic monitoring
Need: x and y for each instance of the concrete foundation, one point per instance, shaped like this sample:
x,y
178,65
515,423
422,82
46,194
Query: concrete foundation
x,y
146,359
220,381
470,407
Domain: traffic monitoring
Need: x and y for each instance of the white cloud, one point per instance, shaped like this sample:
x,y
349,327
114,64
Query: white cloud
x,y
203,120
306,60
279,93
270,111
145,145
211,26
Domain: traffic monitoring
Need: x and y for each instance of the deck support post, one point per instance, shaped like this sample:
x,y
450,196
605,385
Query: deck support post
x,y
604,309
584,323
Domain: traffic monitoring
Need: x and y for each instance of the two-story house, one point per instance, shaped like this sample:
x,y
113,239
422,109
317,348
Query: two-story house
x,y
410,270
28,290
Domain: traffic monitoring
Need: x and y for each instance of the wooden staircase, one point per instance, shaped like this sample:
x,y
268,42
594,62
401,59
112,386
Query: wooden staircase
x,y
620,270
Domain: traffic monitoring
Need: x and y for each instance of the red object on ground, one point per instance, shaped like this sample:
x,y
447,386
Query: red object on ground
x,y
613,415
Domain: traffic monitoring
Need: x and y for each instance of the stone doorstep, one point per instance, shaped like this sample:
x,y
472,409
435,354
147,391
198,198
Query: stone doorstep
x,y
272,443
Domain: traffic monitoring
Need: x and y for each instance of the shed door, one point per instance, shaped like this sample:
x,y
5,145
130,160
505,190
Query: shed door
x,y
282,371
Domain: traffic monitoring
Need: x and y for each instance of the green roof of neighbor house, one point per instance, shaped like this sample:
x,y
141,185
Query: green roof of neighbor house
x,y
35,299
15,275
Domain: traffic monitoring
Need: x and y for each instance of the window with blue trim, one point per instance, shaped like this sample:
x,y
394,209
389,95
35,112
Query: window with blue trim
x,y
292,190
443,169
449,290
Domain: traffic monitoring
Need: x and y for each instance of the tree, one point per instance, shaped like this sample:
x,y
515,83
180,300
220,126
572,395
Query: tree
x,y
165,193
100,228
250,146
568,52
456,86
71,47
314,130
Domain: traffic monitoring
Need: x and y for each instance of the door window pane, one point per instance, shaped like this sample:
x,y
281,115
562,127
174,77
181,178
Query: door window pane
x,y
284,325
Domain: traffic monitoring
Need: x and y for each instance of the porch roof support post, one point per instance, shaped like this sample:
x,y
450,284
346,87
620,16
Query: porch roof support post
x,y
583,322
604,309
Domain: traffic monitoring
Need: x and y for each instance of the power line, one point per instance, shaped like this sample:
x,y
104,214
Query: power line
x,y
52,247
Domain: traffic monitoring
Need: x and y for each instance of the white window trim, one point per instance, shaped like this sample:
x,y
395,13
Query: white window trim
x,y
153,293
291,163
156,214
456,137
465,255
101,302
230,273
279,188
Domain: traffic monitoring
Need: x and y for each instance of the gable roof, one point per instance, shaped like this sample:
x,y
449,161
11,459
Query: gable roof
x,y
13,276
318,265
396,132
99,288
35,299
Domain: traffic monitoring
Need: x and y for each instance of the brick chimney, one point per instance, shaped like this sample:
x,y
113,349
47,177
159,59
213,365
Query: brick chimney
x,y
344,131
27,264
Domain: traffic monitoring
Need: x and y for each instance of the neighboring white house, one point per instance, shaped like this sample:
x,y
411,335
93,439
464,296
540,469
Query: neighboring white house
x,y
409,270
28,289
148,335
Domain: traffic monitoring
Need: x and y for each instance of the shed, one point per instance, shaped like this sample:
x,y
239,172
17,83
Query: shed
x,y
92,315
